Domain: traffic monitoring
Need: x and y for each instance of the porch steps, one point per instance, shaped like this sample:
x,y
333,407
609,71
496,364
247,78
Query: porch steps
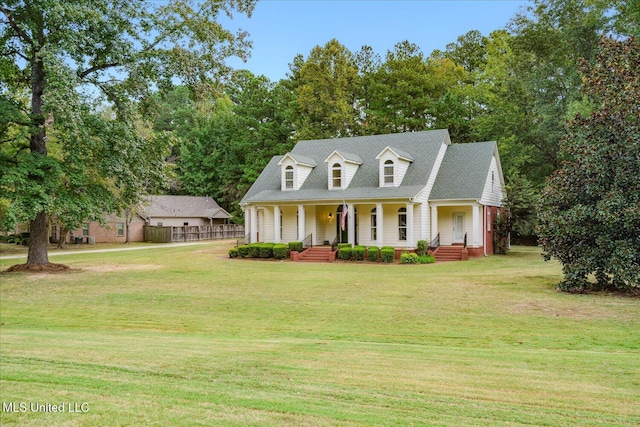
x,y
317,254
449,253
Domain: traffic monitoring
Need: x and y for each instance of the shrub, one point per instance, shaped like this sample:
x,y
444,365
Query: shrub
x,y
409,258
358,253
387,253
266,250
426,259
280,251
421,249
295,246
233,253
243,251
254,250
373,253
344,245
344,253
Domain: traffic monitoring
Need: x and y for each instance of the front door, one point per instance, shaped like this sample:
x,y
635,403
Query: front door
x,y
458,228
343,232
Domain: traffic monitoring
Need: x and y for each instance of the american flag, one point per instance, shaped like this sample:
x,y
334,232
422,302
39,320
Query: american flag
x,y
345,211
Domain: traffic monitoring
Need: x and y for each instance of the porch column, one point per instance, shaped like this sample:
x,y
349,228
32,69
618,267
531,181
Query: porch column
x,y
351,226
276,224
410,225
434,222
253,224
301,223
379,225
477,225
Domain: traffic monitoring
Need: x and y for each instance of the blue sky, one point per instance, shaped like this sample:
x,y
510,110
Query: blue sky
x,y
281,29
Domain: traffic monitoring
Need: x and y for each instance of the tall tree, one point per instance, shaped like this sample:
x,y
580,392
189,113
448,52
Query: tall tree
x,y
590,208
325,86
55,51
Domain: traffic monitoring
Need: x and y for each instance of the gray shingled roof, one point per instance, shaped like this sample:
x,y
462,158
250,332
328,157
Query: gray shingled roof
x,y
463,172
422,146
182,206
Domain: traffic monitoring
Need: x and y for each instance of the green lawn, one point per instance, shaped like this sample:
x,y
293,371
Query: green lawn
x,y
186,336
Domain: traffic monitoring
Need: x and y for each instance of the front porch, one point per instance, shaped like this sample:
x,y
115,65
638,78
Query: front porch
x,y
393,223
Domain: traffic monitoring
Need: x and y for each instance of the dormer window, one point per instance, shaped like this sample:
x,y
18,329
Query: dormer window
x,y
392,166
288,178
341,168
294,171
388,173
336,175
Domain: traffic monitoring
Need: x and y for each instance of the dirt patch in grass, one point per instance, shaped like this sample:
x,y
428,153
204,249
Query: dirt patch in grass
x,y
49,268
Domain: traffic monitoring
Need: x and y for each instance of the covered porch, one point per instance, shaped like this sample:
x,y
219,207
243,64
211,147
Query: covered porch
x,y
371,223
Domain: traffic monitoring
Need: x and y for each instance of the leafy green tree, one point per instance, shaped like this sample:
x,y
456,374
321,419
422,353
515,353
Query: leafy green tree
x,y
62,54
325,86
590,207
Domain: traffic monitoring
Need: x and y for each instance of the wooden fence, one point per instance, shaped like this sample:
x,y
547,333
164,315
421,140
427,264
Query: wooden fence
x,y
191,233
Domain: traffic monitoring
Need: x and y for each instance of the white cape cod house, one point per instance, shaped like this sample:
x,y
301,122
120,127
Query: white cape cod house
x,y
395,189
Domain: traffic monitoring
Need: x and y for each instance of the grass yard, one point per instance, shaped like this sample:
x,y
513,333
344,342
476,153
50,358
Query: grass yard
x,y
186,336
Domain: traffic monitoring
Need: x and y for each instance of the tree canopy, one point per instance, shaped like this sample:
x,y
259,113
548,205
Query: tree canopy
x,y
60,61
590,207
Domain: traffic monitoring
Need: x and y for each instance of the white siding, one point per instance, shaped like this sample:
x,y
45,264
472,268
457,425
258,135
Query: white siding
x,y
266,229
493,190
289,223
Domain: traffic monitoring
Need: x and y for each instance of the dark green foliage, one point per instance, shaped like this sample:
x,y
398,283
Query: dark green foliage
x,y
373,253
388,254
345,253
233,253
280,251
590,208
409,258
358,253
426,259
243,251
254,250
421,247
266,250
501,229
295,246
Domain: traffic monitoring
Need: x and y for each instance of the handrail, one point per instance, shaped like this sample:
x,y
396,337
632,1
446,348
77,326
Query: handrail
x,y
465,241
308,241
435,243
334,244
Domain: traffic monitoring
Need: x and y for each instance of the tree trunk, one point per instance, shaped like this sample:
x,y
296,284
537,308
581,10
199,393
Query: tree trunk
x,y
63,237
39,236
37,245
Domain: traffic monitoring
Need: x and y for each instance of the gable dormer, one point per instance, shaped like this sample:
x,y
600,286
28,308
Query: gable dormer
x,y
294,170
392,166
341,168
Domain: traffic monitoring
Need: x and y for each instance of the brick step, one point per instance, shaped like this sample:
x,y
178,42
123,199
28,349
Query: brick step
x,y
449,253
316,254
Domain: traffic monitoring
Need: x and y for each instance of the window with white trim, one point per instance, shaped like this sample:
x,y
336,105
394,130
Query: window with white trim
x,y
288,178
336,175
388,173
120,229
402,224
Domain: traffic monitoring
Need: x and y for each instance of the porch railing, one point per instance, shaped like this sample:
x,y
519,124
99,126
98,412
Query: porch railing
x,y
435,243
334,244
308,241
464,245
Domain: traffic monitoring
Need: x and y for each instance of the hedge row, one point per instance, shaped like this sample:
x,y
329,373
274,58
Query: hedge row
x,y
260,250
